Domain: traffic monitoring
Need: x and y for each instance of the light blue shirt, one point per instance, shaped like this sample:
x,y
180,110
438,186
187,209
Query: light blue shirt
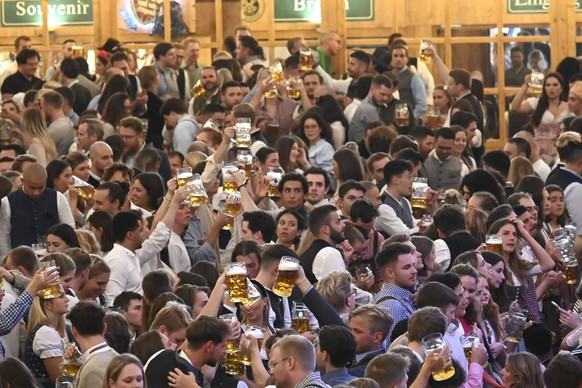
x,y
321,155
419,95
185,133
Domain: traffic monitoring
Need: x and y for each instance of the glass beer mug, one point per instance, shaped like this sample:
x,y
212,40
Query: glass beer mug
x,y
402,115
242,129
228,181
433,342
232,208
236,280
494,243
287,274
245,162
306,59
536,83
300,317
276,70
183,176
419,197
54,291
274,174
293,85
196,194
70,367
423,54
84,189
5,132
233,343
253,296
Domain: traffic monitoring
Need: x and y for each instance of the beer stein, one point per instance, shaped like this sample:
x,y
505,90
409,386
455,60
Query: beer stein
x,y
5,132
536,83
236,280
363,270
245,162
274,174
425,222
419,196
54,291
183,176
494,243
402,115
196,193
78,51
299,317
145,123
293,85
433,118
233,365
276,70
469,342
84,189
233,343
39,249
228,180
253,296
306,59
197,89
272,92
287,274
515,325
564,239
259,334
423,54
70,367
433,342
242,129
65,382
232,207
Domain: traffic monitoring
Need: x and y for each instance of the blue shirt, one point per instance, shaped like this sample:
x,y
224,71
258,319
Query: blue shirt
x,y
399,305
321,155
336,377
185,133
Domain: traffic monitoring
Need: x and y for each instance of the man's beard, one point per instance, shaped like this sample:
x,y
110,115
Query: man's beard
x,y
337,237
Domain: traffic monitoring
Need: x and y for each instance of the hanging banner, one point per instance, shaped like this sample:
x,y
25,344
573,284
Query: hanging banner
x,y
310,10
28,13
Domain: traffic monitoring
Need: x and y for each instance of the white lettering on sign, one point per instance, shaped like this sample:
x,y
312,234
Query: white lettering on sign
x,y
304,5
22,9
544,4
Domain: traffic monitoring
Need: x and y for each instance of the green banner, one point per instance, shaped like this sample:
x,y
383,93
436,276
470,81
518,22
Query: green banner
x,y
310,10
533,6
61,13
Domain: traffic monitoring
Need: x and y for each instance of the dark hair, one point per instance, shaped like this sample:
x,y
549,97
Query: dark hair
x,y
363,209
154,186
436,294
162,48
445,133
253,45
501,211
538,339
245,248
314,114
124,299
114,110
263,153
116,84
420,132
273,253
522,145
155,283
173,105
390,253
339,343
124,222
332,111
294,177
350,185
463,119
67,95
208,271
454,381
24,55
70,68
402,142
81,259
190,278
283,148
116,191
562,219
206,329
117,335
410,155
53,170
396,168
261,221
159,303
103,220
319,217
498,160
66,233
146,345
461,76
481,180
87,318
14,373
318,171
300,221
534,186
450,219
382,80
363,86
188,293
449,279
564,371
349,165
543,102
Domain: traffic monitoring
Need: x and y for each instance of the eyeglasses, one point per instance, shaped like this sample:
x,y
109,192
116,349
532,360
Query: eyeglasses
x,y
272,365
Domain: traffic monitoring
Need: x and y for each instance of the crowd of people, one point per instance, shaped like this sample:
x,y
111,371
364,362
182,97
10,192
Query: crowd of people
x,y
116,274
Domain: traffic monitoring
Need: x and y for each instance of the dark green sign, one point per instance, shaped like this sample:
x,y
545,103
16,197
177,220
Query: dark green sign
x,y
310,10
533,6
61,13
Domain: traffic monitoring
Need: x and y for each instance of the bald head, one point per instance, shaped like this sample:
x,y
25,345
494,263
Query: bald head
x,y
525,135
113,71
34,180
101,156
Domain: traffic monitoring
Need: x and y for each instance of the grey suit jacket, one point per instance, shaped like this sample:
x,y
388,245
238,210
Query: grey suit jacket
x,y
92,372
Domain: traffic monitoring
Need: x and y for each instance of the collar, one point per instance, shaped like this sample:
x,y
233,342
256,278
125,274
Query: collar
x,y
93,350
361,356
182,354
121,248
76,81
393,197
337,373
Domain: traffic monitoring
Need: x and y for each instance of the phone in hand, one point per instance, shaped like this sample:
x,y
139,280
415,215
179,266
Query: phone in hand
x,y
556,305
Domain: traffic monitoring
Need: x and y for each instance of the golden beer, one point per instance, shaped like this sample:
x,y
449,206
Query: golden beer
x,y
233,366
571,273
248,169
183,178
198,90
232,209
85,192
306,59
425,57
418,207
78,52
444,374
433,122
5,141
277,75
423,53
253,296
286,276
232,345
237,287
294,94
402,121
228,186
495,247
468,350
271,93
55,291
70,368
300,324
197,200
273,191
243,143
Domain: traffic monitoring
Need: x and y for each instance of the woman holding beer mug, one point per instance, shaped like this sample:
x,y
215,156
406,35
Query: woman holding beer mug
x,y
520,273
45,343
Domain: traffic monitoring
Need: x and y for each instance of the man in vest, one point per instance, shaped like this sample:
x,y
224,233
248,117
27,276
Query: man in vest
x,y
27,214
396,213
180,75
137,95
397,265
410,86
322,257
443,170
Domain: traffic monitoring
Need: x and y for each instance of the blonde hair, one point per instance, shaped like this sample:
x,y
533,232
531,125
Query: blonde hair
x,y
39,316
518,168
34,126
87,241
148,76
298,347
377,317
194,157
336,287
174,316
117,364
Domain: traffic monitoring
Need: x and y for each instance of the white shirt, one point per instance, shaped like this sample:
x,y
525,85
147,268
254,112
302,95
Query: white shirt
x,y
11,341
125,272
327,260
442,254
388,222
148,253
178,255
65,216
542,169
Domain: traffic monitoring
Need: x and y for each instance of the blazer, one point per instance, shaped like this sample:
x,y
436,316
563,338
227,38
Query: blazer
x,y
460,242
92,372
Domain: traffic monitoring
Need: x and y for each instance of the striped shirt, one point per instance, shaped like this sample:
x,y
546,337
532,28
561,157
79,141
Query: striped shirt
x,y
366,113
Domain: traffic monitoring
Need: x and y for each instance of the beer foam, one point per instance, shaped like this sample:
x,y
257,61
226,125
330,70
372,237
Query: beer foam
x,y
184,175
255,332
238,270
288,266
